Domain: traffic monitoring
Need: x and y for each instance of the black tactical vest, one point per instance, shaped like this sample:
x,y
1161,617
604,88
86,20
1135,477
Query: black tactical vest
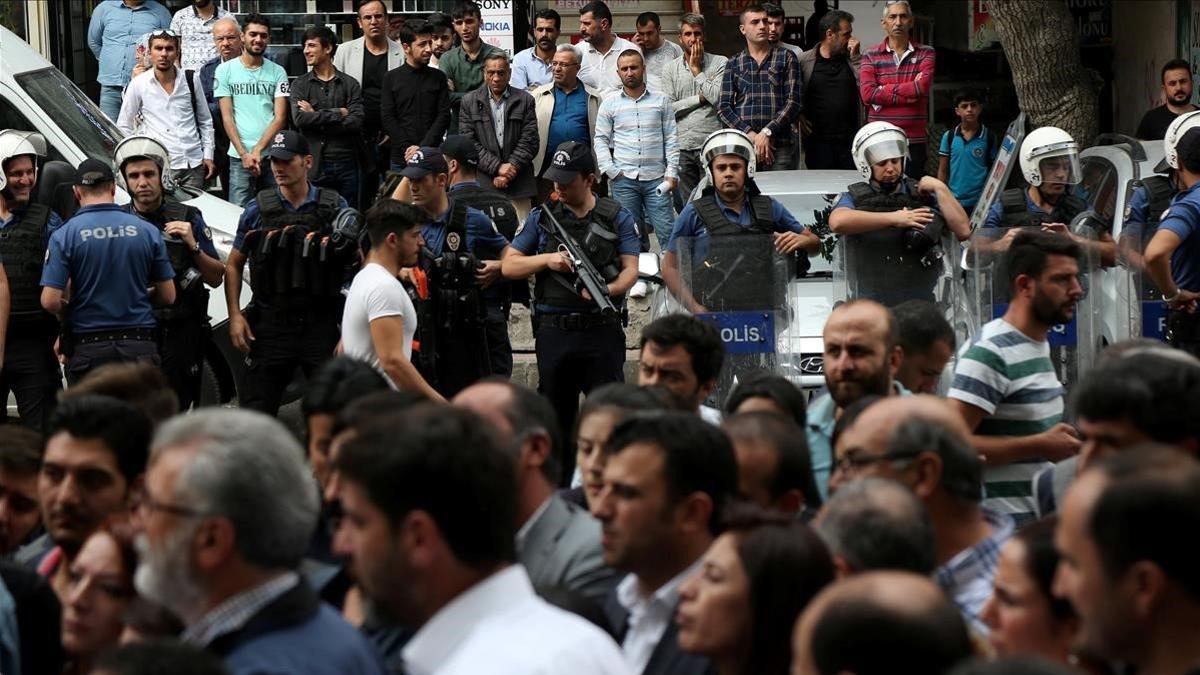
x,y
454,296
1016,211
607,259
23,245
191,295
737,276
881,265
495,206
291,255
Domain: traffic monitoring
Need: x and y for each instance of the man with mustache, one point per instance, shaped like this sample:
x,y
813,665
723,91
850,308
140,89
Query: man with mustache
x,y
531,68
1177,100
1004,384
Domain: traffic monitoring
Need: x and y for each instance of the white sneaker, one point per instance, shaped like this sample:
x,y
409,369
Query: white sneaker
x,y
639,290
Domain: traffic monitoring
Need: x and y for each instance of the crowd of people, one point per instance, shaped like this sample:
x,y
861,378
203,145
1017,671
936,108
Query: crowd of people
x,y
925,512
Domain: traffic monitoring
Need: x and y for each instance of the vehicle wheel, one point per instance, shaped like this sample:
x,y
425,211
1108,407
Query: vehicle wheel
x,y
210,385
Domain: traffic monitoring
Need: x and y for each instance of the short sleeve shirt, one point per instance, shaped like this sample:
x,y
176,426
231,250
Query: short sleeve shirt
x,y
1183,219
253,91
689,226
375,294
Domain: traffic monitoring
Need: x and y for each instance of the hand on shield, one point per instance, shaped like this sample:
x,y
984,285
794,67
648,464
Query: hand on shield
x,y
1057,228
789,242
913,218
1185,300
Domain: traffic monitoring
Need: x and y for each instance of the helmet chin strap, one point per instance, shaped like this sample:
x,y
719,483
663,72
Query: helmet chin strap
x,y
1052,199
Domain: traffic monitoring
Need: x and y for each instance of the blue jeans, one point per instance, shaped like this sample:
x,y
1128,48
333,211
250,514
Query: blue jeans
x,y
110,100
243,185
343,177
649,208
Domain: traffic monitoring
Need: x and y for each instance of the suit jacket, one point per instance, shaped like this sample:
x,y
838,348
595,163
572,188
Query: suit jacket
x,y
543,97
349,57
475,121
562,549
668,658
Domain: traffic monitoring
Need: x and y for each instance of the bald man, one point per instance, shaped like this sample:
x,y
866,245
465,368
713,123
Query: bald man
x,y
869,623
862,354
921,442
877,524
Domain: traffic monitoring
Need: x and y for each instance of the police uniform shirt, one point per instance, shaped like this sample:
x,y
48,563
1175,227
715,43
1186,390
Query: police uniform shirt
x,y
1183,218
111,257
482,236
532,237
1138,217
199,229
688,224
252,218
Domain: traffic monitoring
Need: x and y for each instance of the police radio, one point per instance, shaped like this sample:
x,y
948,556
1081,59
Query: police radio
x,y
348,230
926,241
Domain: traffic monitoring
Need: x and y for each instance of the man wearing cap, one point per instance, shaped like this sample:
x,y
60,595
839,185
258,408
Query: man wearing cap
x,y
464,273
30,368
299,259
117,267
1171,255
183,326
578,347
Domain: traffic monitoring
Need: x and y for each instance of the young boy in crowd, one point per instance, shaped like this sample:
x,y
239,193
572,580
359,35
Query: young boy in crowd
x,y
967,151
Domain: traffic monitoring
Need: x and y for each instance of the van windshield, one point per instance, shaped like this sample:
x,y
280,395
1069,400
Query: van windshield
x,y
74,113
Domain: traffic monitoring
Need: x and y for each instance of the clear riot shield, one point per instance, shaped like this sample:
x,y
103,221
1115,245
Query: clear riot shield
x,y
884,267
739,284
1139,300
1076,341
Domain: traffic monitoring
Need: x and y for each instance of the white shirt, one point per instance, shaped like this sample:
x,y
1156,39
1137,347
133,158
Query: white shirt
x,y
375,294
599,71
501,627
148,109
648,616
710,415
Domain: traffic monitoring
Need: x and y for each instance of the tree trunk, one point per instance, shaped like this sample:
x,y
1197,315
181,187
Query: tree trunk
x,y
1041,40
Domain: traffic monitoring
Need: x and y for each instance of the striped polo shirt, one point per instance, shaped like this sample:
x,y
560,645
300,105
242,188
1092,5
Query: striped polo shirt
x,y
1010,377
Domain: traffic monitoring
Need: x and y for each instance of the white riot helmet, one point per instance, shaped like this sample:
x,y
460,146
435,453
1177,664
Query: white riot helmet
x,y
728,142
876,142
1180,126
141,147
1046,143
14,143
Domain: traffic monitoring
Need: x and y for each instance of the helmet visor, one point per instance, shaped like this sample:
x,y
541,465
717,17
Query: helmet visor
x,y
1060,167
884,150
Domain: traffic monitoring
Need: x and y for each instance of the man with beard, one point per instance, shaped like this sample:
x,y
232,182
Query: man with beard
x,y
683,355
1177,97
862,353
415,103
829,76
1004,384
601,49
431,511
183,325
30,370
194,25
463,65
227,37
443,36
94,459
658,50
531,67
225,518
693,83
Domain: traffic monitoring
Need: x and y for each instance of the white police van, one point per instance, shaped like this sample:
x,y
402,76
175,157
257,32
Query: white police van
x,y
36,96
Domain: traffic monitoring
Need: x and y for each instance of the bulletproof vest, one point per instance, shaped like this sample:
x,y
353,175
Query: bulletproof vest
x,y
737,276
191,295
893,264
1016,212
456,297
23,247
597,236
291,254
495,206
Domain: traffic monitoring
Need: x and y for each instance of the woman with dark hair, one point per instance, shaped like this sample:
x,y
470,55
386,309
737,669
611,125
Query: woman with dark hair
x,y
602,410
739,608
763,392
98,592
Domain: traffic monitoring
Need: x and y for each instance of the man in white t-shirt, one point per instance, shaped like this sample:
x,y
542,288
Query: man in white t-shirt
x,y
379,320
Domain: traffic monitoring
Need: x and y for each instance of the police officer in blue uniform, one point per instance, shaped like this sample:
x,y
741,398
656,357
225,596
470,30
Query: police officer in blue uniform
x,y
463,263
302,243
578,347
117,267
31,371
183,326
1173,254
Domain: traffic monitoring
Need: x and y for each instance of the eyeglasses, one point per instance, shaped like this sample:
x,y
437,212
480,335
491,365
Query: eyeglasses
x,y
164,32
851,461
147,504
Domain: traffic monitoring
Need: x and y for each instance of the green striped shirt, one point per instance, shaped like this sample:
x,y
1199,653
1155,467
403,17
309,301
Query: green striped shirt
x,y
1010,377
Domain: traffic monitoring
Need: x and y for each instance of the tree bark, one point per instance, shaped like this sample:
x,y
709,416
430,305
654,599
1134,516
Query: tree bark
x,y
1041,40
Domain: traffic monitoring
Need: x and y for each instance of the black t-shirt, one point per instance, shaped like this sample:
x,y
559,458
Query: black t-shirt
x,y
1155,122
373,72
831,98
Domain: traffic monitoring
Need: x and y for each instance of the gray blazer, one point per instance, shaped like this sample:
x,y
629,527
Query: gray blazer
x,y
349,57
520,138
562,549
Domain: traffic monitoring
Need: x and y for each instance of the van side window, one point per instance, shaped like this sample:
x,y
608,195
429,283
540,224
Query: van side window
x,y
11,118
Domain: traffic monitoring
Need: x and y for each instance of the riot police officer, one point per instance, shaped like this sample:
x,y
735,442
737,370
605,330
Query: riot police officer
x,y
302,243
578,346
1049,161
30,368
731,205
183,326
891,225
1173,254
463,264
110,258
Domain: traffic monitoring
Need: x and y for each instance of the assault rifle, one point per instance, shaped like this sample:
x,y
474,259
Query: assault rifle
x,y
587,277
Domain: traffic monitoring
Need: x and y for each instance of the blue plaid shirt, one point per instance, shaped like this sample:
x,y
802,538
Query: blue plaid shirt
x,y
968,577
758,96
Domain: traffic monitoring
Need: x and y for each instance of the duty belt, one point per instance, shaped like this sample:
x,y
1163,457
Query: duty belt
x,y
131,334
578,321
